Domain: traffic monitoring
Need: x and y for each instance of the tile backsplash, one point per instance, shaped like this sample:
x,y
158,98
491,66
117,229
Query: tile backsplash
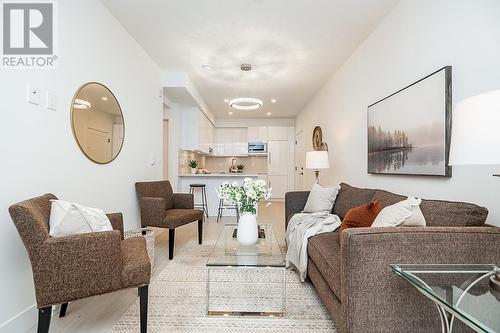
x,y
253,164
185,156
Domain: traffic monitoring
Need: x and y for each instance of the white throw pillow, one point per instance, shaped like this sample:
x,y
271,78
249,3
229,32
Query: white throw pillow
x,y
405,213
321,199
68,218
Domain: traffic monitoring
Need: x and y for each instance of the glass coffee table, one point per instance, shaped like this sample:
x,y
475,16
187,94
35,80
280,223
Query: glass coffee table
x,y
246,280
467,292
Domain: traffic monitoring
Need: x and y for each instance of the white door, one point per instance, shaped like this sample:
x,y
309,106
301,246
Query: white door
x,y
300,157
279,186
98,145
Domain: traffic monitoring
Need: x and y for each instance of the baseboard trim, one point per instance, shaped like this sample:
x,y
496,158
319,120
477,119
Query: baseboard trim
x,y
22,322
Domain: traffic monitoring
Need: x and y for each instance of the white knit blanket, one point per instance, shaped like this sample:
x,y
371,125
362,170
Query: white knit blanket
x,y
300,228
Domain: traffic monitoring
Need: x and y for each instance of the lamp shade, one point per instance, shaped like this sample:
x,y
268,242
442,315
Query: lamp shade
x,y
475,135
317,160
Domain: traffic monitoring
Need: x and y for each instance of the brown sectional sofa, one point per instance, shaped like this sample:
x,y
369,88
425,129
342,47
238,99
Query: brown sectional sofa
x,y
352,275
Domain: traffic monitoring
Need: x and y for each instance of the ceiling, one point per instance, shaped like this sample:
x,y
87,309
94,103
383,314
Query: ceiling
x,y
294,46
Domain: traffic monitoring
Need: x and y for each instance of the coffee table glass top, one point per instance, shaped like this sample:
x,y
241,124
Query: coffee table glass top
x,y
467,292
228,252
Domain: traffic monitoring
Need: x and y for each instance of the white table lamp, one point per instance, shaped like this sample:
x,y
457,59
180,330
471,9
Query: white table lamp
x,y
475,135
317,160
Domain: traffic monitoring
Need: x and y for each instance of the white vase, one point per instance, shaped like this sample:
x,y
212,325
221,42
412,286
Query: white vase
x,y
193,171
247,229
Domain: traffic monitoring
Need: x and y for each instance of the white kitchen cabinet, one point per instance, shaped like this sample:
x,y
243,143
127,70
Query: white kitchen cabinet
x,y
279,186
257,134
277,133
196,131
231,141
278,158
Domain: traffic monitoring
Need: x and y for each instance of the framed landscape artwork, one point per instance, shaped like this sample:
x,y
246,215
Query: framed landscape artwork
x,y
409,131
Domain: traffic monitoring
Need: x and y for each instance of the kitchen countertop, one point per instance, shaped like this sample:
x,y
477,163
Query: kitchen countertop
x,y
216,174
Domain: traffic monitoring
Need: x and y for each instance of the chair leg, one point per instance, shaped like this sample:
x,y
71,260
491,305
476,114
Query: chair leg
x,y
143,303
200,231
205,202
44,315
219,210
62,312
171,240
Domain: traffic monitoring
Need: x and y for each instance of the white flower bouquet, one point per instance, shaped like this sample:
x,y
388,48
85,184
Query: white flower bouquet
x,y
247,195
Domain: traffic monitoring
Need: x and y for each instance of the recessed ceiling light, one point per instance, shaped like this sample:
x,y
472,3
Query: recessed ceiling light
x,y
246,103
226,100
269,113
104,98
230,112
273,101
208,67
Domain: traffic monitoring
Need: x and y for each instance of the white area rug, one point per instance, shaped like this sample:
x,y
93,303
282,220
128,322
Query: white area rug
x,y
177,303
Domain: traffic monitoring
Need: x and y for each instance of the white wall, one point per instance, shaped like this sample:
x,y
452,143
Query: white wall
x,y
415,39
39,154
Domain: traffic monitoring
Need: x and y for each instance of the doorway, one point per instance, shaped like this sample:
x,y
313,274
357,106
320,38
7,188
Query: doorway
x,y
300,156
165,148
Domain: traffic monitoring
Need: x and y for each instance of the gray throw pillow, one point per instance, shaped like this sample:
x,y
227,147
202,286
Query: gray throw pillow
x,y
321,199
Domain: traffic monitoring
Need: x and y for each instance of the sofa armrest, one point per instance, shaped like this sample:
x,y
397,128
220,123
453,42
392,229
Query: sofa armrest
x,y
152,211
294,203
116,220
77,266
183,201
368,286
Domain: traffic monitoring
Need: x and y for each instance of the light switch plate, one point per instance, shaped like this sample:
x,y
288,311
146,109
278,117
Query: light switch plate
x,y
51,101
33,95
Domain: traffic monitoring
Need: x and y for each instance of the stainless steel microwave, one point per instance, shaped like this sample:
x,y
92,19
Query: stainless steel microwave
x,y
257,148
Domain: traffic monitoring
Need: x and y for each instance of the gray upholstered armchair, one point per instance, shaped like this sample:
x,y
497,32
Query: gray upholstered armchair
x,y
161,207
78,266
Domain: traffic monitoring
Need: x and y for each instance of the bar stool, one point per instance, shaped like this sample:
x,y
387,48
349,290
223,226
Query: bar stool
x,y
204,203
223,205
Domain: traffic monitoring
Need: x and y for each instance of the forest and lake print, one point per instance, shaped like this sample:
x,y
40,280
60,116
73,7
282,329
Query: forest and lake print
x,y
408,131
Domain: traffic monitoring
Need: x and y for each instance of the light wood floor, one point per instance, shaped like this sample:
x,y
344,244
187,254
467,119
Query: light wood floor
x,y
100,313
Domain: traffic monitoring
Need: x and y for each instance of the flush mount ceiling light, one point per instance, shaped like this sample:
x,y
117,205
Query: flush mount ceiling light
x,y
104,98
245,103
81,104
273,100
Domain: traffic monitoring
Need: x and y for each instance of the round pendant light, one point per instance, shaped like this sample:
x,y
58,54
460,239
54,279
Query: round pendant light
x,y
246,103
81,104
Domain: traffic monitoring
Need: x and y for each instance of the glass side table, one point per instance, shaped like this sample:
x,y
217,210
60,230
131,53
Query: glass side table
x,y
466,292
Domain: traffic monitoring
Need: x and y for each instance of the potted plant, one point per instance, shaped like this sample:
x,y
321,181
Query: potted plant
x,y
246,196
193,164
240,167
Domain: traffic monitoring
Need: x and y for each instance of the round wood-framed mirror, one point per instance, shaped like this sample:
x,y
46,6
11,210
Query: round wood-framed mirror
x,y
97,122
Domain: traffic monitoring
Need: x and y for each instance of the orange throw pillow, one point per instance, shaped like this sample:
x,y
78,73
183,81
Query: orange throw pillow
x,y
362,216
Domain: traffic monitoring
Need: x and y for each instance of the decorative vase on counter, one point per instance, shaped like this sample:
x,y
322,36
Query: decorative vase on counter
x,y
247,234
193,171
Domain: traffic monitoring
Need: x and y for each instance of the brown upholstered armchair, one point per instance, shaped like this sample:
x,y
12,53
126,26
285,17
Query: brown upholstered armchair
x,y
161,207
73,267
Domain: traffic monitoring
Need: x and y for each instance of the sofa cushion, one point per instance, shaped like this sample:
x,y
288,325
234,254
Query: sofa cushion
x,y
324,251
349,197
439,213
362,216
